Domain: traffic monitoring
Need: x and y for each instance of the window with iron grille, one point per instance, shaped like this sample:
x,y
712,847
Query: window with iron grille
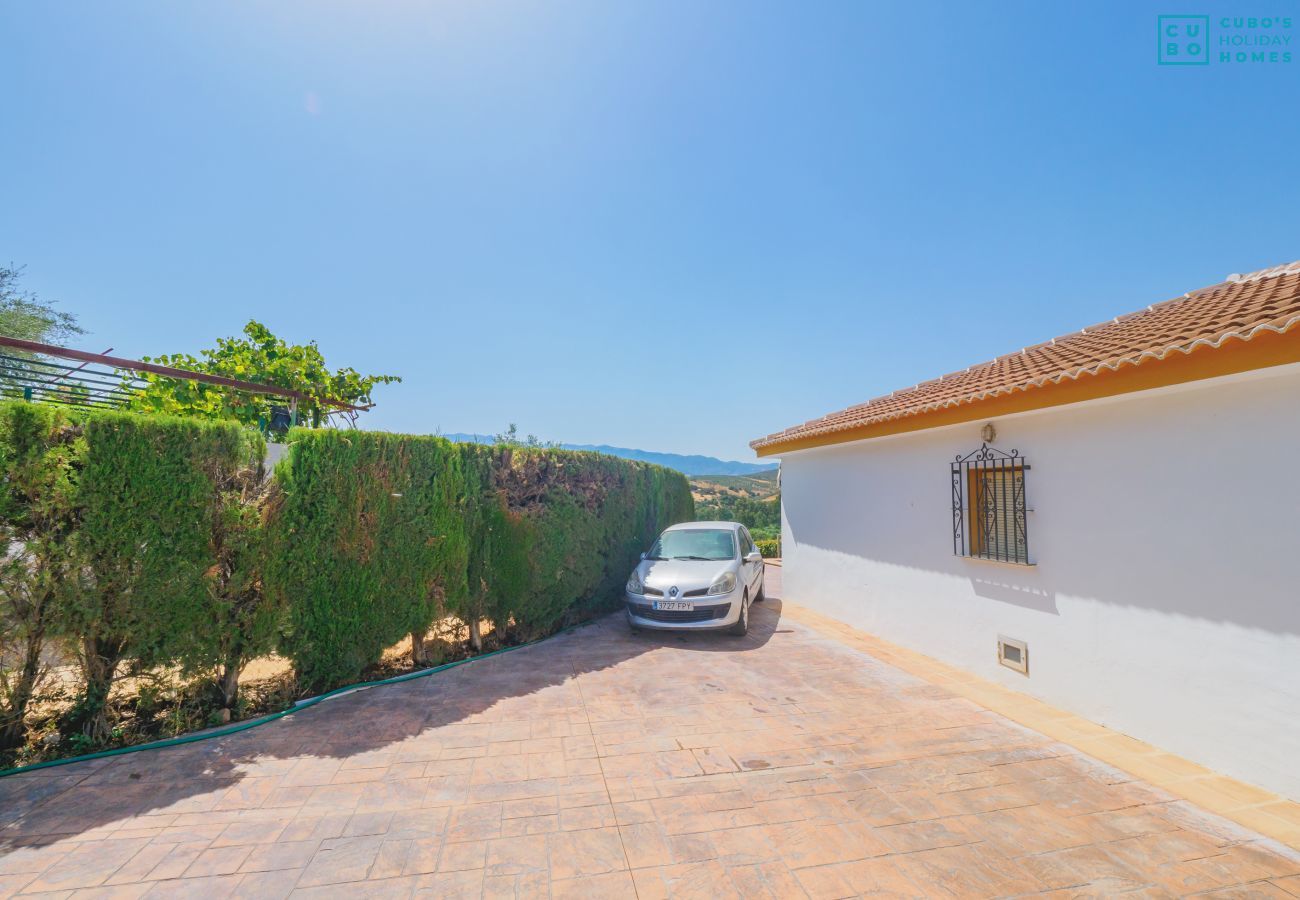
x,y
989,516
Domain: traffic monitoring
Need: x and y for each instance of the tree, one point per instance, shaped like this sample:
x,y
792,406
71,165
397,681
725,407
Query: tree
x,y
262,358
761,517
23,315
510,438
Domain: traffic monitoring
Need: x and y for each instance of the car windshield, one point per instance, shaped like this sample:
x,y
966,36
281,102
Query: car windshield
x,y
695,543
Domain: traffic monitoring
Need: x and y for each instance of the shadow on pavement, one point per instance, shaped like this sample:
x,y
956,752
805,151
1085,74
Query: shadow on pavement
x,y
324,756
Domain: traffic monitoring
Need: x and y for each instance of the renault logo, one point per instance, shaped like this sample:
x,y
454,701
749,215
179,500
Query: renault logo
x,y
672,591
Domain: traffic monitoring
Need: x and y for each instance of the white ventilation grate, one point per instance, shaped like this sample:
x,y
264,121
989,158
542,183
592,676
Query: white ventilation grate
x,y
1013,654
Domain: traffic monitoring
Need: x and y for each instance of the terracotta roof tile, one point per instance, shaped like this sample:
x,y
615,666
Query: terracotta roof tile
x,y
1237,309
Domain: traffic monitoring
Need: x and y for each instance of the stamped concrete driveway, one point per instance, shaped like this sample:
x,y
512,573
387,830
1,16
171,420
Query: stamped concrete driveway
x,y
605,764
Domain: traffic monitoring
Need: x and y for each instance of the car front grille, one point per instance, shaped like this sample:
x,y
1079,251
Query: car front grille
x,y
702,614
658,592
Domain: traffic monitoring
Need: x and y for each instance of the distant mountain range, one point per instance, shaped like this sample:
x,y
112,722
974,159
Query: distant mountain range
x,y
687,465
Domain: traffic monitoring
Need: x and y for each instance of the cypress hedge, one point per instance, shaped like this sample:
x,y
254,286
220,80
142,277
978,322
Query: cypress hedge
x,y
584,519
149,494
141,541
376,536
110,524
39,446
366,543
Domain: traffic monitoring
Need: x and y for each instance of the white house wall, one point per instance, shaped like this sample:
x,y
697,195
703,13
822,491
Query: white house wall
x,y
1165,602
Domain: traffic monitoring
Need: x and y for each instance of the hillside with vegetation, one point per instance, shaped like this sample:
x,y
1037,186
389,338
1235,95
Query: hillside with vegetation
x,y
752,500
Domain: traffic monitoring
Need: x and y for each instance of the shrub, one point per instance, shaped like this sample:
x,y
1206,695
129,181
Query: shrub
x,y
39,449
501,547
585,517
365,544
769,547
148,492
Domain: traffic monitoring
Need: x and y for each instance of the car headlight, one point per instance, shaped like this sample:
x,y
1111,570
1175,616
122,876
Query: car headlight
x,y
634,585
724,585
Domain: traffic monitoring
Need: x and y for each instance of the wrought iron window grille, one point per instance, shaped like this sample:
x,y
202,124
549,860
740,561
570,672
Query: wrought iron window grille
x,y
989,515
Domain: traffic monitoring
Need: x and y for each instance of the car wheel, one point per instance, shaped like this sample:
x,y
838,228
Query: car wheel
x,y
632,625
762,590
741,627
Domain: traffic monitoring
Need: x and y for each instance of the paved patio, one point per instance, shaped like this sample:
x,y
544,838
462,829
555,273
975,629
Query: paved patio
x,y
604,764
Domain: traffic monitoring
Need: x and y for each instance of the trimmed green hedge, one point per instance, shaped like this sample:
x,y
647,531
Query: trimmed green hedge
x,y
769,547
367,543
39,446
141,496
158,541
149,495
377,536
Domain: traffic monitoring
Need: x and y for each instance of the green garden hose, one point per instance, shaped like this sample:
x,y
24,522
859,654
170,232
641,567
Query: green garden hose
x,y
297,706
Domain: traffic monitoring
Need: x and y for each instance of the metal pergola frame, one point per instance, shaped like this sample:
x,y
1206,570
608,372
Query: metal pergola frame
x,y
100,381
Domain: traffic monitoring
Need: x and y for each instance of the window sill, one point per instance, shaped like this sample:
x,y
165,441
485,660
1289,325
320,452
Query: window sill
x,y
1006,564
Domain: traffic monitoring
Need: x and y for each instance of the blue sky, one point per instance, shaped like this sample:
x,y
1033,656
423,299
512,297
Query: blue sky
x,y
675,225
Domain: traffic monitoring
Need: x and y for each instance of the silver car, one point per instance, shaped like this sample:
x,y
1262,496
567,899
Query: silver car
x,y
697,576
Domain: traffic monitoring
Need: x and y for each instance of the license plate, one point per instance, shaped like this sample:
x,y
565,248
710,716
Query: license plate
x,y
675,605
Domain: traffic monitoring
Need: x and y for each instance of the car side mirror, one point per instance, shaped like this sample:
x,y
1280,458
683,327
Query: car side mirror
x,y
753,556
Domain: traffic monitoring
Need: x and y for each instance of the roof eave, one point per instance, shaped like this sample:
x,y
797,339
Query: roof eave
x,y
1262,347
